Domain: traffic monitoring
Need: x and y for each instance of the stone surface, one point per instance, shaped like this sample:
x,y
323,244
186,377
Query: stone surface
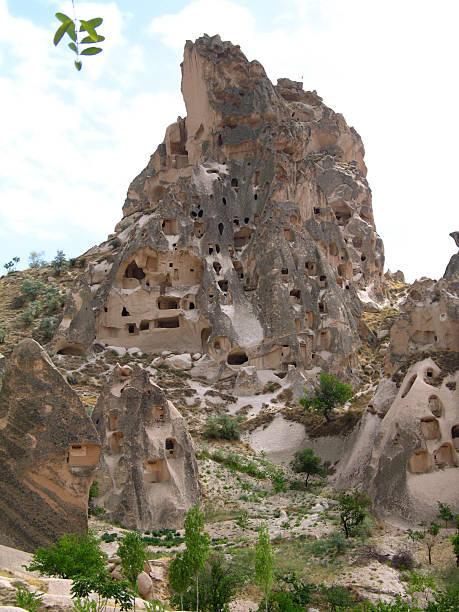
x,y
76,331
49,450
247,382
145,584
148,476
250,232
179,362
452,268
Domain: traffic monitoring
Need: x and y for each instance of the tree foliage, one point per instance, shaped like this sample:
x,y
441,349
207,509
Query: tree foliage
x,y
222,427
81,33
133,555
105,588
328,394
264,562
179,575
352,507
71,557
197,545
445,513
305,461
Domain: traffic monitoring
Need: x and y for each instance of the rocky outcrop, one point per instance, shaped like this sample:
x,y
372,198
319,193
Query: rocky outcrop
x,y
428,321
452,269
148,477
76,331
49,450
249,234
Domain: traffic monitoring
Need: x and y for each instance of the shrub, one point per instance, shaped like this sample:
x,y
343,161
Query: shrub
x,y
115,243
30,313
352,510
72,556
328,394
337,597
31,289
221,427
403,560
2,335
305,461
47,328
26,599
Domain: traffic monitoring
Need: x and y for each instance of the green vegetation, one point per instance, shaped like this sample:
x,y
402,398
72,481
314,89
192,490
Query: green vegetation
x,y
445,513
2,335
73,27
133,555
352,510
197,546
36,260
106,590
328,394
72,556
222,427
59,263
179,576
306,462
264,563
26,599
10,266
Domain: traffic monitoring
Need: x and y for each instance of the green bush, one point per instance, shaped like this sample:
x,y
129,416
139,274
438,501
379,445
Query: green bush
x,y
59,263
31,289
333,545
26,599
222,427
30,313
47,328
328,394
2,335
72,556
133,555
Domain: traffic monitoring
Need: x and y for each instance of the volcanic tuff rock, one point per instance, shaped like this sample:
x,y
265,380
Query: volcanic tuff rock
x,y
49,450
148,476
406,449
249,234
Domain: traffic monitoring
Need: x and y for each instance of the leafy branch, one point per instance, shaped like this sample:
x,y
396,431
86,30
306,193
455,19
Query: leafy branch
x,y
74,29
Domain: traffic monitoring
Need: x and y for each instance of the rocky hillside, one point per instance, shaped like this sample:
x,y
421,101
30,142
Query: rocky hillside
x,y
246,263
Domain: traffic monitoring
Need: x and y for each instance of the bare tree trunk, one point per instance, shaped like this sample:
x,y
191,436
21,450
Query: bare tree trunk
x,y
197,593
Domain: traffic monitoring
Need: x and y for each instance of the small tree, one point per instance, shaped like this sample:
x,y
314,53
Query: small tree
x,y
445,513
352,510
264,562
105,588
59,263
197,545
305,461
179,575
328,394
36,260
72,556
133,555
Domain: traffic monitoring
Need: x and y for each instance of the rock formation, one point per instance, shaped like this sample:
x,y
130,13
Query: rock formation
x,y
406,450
76,330
49,450
249,236
148,477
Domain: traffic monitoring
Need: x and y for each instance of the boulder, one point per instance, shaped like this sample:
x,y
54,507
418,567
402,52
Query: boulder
x,y
145,584
179,362
247,382
49,451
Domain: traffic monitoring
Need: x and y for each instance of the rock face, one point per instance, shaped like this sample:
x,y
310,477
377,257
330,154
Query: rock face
x,y
76,331
49,450
452,268
414,462
250,232
406,452
429,321
148,477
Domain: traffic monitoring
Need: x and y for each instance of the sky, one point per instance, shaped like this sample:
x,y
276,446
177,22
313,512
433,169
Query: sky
x,y
71,142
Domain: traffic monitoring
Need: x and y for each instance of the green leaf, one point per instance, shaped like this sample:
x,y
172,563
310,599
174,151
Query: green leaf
x,y
95,22
78,65
71,32
88,39
63,17
91,51
61,30
73,47
86,26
